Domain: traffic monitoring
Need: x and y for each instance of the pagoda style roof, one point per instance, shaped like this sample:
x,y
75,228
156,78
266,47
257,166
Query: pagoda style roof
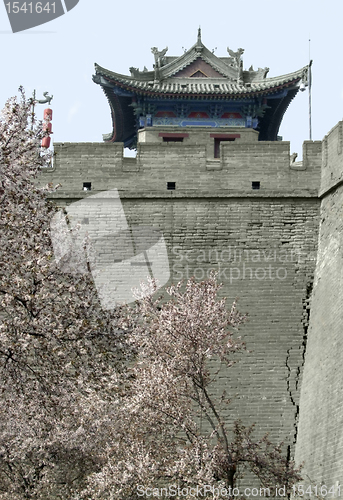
x,y
198,75
212,87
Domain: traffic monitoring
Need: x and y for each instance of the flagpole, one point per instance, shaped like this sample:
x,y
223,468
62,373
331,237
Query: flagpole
x,y
309,90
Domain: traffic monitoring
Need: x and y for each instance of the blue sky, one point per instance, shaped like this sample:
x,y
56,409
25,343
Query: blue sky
x,y
59,56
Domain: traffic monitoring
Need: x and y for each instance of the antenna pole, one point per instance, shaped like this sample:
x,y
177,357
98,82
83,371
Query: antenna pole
x,y
33,108
309,90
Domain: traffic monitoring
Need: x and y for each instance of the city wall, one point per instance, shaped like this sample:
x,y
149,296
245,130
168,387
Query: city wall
x,y
320,442
263,243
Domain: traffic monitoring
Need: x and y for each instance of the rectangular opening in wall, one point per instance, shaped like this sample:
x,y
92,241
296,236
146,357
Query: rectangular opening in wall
x,y
172,139
173,136
87,186
170,185
255,184
217,146
130,153
218,138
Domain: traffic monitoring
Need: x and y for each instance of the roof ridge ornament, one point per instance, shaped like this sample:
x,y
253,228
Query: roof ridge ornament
x,y
257,75
237,62
199,42
160,60
199,45
236,56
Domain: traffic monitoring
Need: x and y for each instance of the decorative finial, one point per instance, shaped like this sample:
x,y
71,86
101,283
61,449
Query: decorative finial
x,y
199,35
236,56
159,56
48,98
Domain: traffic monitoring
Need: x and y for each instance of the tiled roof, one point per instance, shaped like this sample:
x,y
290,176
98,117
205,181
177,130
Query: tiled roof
x,y
198,50
200,86
218,79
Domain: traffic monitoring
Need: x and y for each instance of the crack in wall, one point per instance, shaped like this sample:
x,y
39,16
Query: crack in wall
x,y
303,346
306,317
288,381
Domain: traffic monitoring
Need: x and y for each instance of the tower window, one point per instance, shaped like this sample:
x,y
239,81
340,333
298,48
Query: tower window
x,y
255,185
171,185
87,186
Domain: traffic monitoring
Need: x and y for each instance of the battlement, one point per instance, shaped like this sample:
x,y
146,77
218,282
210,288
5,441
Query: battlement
x,y
189,162
332,159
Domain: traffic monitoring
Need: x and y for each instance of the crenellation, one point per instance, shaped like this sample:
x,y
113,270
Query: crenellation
x,y
332,171
186,164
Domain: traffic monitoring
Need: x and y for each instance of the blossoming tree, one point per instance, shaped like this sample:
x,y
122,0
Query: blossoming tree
x,y
60,353
172,439
101,404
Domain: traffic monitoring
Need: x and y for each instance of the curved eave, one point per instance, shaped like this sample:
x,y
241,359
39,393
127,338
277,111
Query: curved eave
x,y
123,122
270,123
197,95
148,86
145,76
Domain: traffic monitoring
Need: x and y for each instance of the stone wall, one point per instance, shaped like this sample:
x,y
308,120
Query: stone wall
x,y
320,443
263,243
190,165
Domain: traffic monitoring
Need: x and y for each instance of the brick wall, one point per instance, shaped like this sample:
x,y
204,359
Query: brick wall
x,y
263,243
320,442
264,250
191,165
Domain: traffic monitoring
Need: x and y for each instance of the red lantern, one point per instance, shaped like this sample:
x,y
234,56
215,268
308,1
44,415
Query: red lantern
x,y
45,142
47,127
47,114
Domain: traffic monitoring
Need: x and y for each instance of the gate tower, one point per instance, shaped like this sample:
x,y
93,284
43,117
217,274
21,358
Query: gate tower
x,y
197,89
